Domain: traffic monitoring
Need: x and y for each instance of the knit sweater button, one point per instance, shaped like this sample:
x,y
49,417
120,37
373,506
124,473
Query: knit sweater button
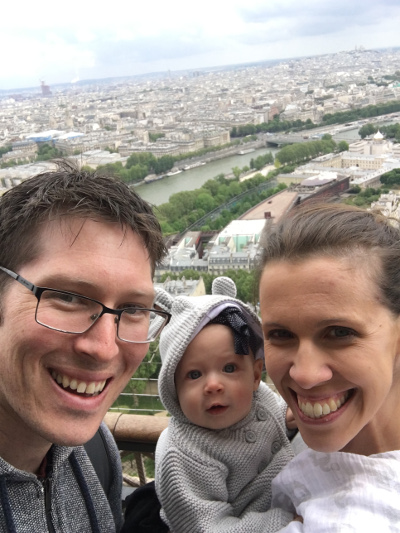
x,y
276,446
262,413
250,436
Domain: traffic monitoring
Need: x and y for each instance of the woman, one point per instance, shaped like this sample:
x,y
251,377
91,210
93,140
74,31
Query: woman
x,y
330,308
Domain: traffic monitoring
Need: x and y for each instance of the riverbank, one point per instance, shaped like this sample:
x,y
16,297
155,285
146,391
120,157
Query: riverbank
x,y
190,164
219,163
264,171
160,191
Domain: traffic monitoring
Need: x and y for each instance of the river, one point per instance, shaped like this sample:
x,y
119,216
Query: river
x,y
158,192
352,134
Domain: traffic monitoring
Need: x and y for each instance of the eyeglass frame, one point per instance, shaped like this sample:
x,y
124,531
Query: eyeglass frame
x,y
37,291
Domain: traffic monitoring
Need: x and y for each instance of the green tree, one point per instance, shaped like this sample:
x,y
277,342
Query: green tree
x,y
366,130
5,149
205,201
342,146
111,150
163,164
149,368
154,136
211,186
47,152
299,152
234,189
391,178
364,197
236,172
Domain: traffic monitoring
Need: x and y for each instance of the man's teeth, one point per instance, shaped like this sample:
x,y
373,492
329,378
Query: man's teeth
x,y
324,407
81,387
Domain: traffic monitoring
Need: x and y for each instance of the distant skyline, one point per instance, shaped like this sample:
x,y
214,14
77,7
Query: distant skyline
x,y
78,40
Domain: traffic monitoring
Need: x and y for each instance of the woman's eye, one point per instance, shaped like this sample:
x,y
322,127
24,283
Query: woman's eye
x,y
341,332
194,374
279,335
229,368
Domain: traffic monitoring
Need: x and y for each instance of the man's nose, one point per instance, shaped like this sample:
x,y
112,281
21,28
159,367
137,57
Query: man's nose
x,y
100,340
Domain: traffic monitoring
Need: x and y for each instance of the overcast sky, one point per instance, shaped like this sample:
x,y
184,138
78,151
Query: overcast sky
x,y
81,39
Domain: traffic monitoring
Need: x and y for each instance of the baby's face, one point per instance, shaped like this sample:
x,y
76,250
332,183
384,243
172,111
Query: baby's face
x,y
214,384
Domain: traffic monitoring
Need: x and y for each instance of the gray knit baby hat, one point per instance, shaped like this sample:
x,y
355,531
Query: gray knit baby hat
x,y
224,286
189,315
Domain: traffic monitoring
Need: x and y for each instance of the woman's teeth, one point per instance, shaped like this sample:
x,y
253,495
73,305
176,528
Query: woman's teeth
x,y
81,387
323,407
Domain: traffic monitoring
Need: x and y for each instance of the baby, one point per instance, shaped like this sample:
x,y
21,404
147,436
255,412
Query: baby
x,y
227,438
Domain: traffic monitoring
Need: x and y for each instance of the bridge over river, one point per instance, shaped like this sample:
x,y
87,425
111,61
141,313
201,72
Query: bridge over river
x,y
292,138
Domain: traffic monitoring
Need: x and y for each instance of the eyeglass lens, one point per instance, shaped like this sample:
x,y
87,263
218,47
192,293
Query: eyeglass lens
x,y
74,314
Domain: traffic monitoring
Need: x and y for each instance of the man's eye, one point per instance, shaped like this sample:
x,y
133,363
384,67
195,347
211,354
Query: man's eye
x,y
229,368
68,298
135,310
194,374
63,297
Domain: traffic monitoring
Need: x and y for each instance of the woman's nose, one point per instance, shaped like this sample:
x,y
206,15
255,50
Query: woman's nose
x,y
310,367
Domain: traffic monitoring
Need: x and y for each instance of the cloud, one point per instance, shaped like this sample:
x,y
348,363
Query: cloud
x,y
313,26
152,36
166,46
51,57
318,18
348,12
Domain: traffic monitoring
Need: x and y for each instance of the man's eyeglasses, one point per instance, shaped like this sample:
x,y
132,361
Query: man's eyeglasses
x,y
72,313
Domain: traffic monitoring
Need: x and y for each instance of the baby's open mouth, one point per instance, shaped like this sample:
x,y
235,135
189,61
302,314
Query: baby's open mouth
x,y
215,409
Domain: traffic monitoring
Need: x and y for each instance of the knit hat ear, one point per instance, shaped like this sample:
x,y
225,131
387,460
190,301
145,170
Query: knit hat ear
x,y
163,300
224,286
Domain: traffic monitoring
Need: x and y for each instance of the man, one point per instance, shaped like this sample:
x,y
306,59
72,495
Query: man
x,y
77,256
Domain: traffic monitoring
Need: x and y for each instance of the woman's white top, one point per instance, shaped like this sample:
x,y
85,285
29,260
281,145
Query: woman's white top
x,y
340,492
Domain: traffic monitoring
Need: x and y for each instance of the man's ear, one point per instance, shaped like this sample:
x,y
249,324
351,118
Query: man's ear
x,y
258,368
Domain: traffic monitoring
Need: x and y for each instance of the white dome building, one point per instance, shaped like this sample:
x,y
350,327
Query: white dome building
x,y
379,146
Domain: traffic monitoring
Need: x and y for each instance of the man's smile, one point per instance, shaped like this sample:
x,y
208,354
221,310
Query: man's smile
x,y
92,388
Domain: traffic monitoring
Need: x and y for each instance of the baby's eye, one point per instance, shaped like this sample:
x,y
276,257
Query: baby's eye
x,y
194,374
229,368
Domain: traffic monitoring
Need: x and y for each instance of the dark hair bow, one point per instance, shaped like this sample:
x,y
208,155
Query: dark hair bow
x,y
242,334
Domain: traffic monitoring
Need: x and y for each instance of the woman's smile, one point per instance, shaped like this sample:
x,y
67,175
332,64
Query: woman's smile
x,y
331,348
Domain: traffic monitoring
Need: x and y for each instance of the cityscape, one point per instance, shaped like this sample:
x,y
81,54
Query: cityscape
x,y
185,112
182,113
195,116
224,116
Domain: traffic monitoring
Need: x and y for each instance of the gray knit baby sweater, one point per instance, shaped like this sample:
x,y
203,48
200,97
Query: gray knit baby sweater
x,y
211,481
